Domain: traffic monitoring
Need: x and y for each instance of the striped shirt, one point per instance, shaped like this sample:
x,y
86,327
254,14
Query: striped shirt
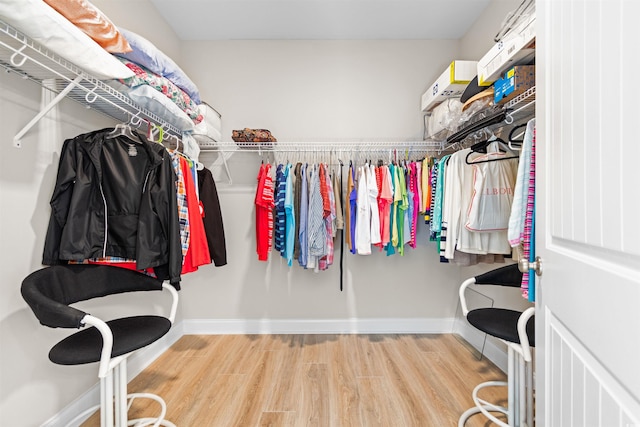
x,y
315,222
279,228
183,211
264,213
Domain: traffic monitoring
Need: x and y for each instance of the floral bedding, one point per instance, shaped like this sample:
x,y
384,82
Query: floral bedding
x,y
165,86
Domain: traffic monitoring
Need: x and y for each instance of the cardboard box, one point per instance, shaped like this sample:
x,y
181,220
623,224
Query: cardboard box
x,y
515,81
517,48
451,83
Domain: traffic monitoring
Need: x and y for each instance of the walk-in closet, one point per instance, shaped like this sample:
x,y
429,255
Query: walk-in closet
x,y
344,213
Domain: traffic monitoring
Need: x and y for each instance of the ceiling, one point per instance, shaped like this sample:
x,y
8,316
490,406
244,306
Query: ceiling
x,y
320,19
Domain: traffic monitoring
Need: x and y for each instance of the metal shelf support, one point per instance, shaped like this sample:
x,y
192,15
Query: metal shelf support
x,y
43,112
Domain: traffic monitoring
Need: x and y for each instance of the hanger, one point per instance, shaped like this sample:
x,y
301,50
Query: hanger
x,y
481,147
125,129
512,138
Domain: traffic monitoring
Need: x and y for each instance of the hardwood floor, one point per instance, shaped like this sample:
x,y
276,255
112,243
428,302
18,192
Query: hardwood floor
x,y
316,380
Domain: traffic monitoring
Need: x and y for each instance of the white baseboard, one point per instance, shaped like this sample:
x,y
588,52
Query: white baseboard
x,y
135,364
317,326
493,350
139,361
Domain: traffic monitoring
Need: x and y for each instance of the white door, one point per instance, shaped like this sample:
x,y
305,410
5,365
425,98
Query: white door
x,y
588,213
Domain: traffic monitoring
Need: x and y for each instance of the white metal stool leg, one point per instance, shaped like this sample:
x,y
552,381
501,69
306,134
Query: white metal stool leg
x,y
519,410
120,375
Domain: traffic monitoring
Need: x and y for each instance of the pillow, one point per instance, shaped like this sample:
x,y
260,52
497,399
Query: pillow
x,y
155,102
165,86
211,123
45,26
93,23
146,54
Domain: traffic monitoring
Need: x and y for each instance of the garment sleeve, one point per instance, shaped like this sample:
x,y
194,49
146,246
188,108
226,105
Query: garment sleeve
x,y
167,209
213,224
60,203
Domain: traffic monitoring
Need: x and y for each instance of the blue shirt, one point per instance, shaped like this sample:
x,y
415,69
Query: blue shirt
x,y
290,219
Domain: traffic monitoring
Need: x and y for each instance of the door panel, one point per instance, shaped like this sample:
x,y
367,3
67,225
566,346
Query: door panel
x,y
587,204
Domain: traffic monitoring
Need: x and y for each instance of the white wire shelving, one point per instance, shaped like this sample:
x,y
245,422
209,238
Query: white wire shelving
x,y
21,55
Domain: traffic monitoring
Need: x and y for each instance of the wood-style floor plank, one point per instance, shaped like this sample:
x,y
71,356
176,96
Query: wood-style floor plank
x,y
328,380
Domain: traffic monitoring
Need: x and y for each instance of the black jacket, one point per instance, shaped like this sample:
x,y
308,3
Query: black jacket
x,y
115,196
213,225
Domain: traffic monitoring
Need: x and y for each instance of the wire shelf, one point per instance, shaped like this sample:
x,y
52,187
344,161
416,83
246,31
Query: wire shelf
x,y
21,55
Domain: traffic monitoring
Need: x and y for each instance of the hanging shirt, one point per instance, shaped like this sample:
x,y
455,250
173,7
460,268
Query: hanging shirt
x,y
386,199
347,208
436,213
212,217
353,196
198,252
458,194
408,214
392,211
397,214
403,215
315,222
433,184
428,181
297,194
279,226
181,194
528,241
379,202
418,191
372,191
264,202
304,212
338,202
329,220
521,190
290,221
363,221
415,206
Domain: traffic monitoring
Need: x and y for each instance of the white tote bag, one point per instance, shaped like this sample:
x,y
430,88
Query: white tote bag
x,y
493,184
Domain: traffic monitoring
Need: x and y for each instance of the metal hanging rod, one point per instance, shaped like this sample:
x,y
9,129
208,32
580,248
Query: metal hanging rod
x,y
314,147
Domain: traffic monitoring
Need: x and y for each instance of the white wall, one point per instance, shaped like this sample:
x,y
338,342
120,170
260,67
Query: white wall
x,y
31,388
315,90
479,38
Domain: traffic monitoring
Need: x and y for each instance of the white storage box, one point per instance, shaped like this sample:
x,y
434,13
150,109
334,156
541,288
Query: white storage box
x,y
515,49
451,83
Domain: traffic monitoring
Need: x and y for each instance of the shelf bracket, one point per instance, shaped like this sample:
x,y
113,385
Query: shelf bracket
x,y
17,138
222,158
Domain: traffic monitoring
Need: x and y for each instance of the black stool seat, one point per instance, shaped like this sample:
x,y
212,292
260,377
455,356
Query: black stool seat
x,y
129,334
501,323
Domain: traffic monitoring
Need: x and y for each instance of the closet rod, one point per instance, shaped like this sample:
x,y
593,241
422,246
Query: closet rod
x,y
315,147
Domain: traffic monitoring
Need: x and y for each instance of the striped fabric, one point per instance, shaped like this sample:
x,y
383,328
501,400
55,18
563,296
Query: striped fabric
x,y
279,229
315,223
527,243
415,206
297,196
183,211
264,202
329,222
290,221
304,214
433,187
